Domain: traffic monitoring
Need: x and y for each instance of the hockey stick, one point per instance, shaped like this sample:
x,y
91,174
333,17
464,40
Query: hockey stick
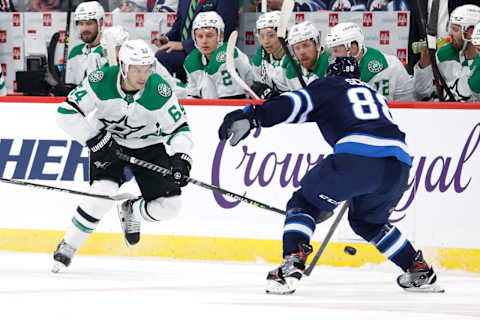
x,y
332,229
110,48
264,6
67,42
432,49
119,196
287,9
230,61
164,171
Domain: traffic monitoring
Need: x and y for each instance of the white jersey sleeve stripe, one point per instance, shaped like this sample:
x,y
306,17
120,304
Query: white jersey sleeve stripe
x,y
296,106
309,109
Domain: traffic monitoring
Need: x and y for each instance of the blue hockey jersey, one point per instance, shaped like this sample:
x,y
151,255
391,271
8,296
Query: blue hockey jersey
x,y
352,117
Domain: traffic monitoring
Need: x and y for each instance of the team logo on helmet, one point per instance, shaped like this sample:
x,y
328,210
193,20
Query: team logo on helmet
x,y
164,90
96,76
375,66
221,56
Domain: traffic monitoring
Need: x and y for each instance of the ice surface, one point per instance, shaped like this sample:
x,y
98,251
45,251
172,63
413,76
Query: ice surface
x,y
149,288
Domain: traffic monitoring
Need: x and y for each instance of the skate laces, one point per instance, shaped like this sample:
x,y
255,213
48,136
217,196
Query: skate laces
x,y
296,261
419,264
132,225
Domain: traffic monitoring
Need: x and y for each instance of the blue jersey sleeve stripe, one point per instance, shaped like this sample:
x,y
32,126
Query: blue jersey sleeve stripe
x,y
296,106
306,113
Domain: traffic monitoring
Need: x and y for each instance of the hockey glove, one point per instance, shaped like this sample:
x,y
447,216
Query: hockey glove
x,y
103,149
238,124
181,164
263,90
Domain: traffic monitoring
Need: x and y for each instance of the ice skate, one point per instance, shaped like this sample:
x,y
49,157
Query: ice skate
x,y
419,277
62,256
284,279
130,225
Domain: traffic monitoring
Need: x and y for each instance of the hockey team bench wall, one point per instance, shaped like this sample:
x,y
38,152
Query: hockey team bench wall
x,y
439,210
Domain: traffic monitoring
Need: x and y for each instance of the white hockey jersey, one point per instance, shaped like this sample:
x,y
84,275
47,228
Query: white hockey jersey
x,y
211,79
386,74
83,60
458,72
153,115
266,68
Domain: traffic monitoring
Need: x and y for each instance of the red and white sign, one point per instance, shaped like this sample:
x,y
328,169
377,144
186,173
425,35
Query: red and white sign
x,y
153,36
249,38
3,36
333,19
4,69
47,19
139,20
108,20
402,20
299,17
16,53
367,19
61,38
171,19
32,31
16,20
402,55
384,37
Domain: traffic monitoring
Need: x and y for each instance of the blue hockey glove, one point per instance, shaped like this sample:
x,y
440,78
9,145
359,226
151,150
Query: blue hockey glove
x,y
237,125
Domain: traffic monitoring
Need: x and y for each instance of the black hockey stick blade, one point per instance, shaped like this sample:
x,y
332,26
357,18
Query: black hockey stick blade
x,y
119,196
329,235
165,171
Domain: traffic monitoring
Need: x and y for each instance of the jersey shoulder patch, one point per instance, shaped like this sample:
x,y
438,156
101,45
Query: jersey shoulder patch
x,y
372,63
104,82
157,92
219,58
193,62
448,52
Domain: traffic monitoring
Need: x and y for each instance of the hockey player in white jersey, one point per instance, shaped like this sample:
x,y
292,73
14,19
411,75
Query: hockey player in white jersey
x,y
304,39
474,79
455,60
207,75
3,87
126,108
111,41
88,56
269,57
382,71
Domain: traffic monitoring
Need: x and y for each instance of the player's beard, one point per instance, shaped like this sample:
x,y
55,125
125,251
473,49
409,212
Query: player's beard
x,y
457,44
88,37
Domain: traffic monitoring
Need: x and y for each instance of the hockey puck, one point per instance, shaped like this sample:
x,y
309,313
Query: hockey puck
x,y
350,250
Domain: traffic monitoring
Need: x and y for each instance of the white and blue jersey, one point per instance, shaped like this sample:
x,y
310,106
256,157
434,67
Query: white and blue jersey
x,y
352,116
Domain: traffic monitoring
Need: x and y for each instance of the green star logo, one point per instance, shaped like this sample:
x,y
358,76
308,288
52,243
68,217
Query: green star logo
x,y
120,128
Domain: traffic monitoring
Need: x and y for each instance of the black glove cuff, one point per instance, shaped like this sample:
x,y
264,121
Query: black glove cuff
x,y
184,157
99,141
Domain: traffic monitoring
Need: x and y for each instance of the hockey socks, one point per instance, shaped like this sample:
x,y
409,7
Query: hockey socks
x,y
298,227
394,246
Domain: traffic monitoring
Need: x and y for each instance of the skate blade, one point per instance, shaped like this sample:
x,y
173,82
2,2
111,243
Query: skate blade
x,y
428,288
274,287
57,267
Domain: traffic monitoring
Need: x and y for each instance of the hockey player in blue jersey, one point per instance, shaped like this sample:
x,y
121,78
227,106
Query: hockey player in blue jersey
x,y
369,166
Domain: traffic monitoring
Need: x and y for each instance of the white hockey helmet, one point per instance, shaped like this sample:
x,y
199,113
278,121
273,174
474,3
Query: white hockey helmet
x,y
344,34
117,34
302,32
476,35
209,19
465,16
90,10
135,52
269,19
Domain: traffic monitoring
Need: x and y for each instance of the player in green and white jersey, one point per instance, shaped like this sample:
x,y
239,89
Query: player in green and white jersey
x,y
111,41
474,79
269,56
88,56
126,108
3,87
383,72
456,60
312,60
207,75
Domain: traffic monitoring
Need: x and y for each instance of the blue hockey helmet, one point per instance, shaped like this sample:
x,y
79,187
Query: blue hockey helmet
x,y
345,67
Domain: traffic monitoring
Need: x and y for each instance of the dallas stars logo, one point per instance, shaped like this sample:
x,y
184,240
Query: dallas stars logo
x,y
120,128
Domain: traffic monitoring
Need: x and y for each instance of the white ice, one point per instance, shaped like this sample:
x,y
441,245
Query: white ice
x,y
149,288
